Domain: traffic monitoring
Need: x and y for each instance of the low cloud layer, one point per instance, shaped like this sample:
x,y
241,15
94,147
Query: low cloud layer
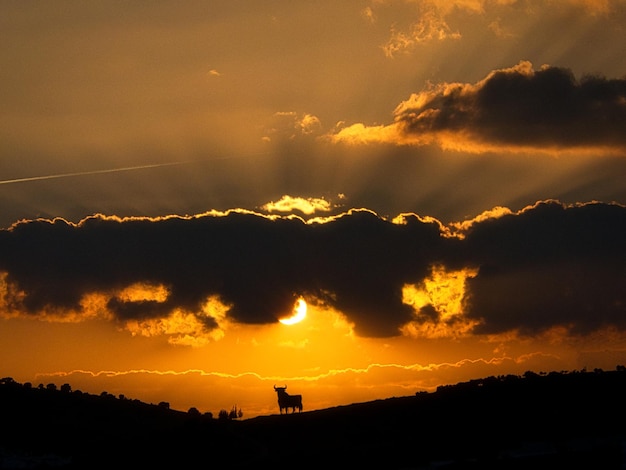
x,y
547,266
514,109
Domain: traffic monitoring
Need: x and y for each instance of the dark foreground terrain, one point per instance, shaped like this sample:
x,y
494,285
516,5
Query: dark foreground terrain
x,y
557,420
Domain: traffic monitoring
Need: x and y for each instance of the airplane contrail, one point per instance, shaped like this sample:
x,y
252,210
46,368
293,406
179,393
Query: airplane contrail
x,y
92,172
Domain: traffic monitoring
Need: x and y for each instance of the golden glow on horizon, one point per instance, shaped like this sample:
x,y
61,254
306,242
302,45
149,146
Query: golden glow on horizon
x,y
320,358
299,313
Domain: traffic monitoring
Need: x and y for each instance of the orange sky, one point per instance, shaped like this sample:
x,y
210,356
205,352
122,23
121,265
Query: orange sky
x,y
319,358
440,181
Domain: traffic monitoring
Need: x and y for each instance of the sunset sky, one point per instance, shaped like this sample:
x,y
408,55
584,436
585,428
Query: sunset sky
x,y
440,182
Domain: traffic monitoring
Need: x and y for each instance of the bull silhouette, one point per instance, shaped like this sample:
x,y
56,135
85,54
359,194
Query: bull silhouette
x,y
286,401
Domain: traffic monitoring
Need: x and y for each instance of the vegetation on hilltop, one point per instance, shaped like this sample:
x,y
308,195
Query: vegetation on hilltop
x,y
557,418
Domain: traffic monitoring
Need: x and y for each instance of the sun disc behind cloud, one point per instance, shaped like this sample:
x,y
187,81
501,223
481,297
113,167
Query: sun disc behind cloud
x,y
299,313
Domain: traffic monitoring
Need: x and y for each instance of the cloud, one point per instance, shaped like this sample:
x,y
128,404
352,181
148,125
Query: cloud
x,y
414,23
255,265
547,266
368,14
431,26
307,206
290,125
514,109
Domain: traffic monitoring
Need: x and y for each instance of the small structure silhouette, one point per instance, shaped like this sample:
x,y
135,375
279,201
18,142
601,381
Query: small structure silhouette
x,y
286,401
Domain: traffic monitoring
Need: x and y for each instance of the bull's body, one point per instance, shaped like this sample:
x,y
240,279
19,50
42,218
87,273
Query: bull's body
x,y
286,401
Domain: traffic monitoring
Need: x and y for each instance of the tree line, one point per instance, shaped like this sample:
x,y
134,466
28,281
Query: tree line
x,y
9,386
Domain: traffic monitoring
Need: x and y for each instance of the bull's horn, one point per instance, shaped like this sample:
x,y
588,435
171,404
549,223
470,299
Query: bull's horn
x,y
274,386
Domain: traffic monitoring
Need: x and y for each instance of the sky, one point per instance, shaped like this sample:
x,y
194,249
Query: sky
x,y
434,189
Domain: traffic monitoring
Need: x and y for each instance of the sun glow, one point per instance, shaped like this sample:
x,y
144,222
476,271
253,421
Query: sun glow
x,y
299,313
444,293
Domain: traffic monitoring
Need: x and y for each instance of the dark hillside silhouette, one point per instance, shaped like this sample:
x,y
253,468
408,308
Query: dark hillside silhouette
x,y
556,420
71,429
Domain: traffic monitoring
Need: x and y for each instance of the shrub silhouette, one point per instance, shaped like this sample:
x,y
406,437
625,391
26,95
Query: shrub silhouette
x,y
235,413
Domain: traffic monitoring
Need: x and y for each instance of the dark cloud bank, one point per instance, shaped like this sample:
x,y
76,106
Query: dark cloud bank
x,y
545,266
523,107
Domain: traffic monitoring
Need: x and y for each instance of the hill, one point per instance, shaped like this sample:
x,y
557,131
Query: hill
x,y
564,420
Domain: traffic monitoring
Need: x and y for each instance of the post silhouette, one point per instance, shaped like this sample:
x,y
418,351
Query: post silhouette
x,y
286,401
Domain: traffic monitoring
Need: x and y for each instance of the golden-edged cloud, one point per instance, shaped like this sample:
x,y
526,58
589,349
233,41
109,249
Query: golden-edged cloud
x,y
438,303
185,328
517,109
307,206
429,21
430,26
192,278
291,125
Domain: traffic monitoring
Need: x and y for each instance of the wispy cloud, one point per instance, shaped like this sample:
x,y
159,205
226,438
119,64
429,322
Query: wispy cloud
x,y
90,172
314,377
431,26
291,125
428,21
320,388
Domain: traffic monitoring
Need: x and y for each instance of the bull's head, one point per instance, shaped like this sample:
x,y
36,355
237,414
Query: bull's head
x,y
280,388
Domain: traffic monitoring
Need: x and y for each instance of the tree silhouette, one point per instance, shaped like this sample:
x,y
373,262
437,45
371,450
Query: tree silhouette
x,y
235,413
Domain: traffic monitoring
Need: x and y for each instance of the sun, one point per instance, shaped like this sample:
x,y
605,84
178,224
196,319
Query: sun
x,y
299,313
